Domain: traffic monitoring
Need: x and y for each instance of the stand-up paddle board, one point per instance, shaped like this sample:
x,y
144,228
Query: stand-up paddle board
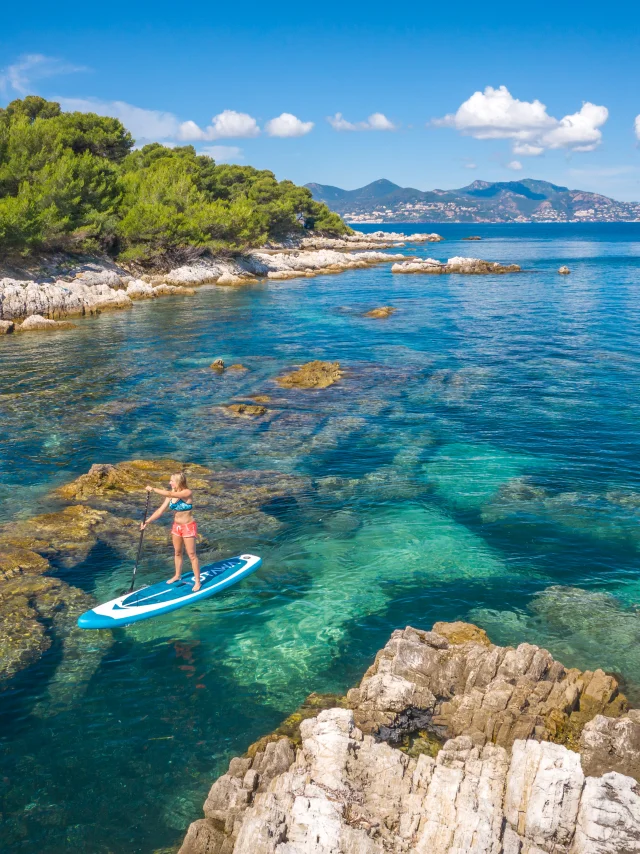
x,y
161,598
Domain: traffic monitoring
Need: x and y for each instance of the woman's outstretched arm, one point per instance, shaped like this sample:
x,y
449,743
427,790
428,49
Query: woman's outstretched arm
x,y
155,515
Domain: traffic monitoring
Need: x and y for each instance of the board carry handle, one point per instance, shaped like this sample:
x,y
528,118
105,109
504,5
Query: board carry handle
x,y
135,566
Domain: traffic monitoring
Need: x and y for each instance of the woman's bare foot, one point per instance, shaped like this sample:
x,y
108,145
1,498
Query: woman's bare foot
x,y
172,580
196,587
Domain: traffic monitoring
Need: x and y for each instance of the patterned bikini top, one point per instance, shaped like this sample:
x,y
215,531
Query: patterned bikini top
x,y
180,506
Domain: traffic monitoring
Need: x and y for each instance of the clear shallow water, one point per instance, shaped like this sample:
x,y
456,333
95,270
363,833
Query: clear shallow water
x,y
480,461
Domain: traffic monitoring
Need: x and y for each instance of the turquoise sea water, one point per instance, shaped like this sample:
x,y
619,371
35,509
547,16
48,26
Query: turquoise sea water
x,y
480,460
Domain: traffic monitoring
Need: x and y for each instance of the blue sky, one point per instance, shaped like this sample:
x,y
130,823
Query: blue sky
x,y
424,96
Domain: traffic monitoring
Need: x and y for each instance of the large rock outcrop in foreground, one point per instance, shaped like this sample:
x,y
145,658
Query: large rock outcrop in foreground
x,y
500,784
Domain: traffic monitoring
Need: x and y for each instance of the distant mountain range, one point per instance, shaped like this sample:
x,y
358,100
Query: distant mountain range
x,y
482,201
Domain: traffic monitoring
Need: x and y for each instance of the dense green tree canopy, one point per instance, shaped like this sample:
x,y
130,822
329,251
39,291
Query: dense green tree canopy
x,y
74,181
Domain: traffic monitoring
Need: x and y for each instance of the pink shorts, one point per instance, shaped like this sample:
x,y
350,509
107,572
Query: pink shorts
x,y
188,529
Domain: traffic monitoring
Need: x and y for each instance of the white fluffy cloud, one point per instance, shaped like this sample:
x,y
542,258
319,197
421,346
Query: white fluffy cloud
x,y
527,149
376,121
496,114
232,125
228,124
190,132
286,124
156,125
224,153
637,126
20,76
579,131
515,165
145,125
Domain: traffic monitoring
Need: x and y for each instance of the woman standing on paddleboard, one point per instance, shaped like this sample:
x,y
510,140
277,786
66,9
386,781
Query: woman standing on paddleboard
x,y
179,498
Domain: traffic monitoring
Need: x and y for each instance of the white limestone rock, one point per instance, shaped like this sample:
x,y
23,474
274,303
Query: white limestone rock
x,y
374,240
35,322
608,817
57,299
319,261
346,793
457,264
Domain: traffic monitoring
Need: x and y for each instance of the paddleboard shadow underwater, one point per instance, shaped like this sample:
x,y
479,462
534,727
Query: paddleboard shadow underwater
x,y
162,598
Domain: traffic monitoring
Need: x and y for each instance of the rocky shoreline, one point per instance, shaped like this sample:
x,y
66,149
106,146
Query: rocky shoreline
x,y
449,745
65,287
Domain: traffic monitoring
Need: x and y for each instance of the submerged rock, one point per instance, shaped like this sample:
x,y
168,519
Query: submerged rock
x,y
220,496
468,266
238,367
128,477
352,576
31,608
312,375
382,312
471,475
338,788
612,516
217,365
246,410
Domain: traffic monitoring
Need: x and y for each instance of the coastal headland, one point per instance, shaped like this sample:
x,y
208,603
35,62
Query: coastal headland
x,y
449,744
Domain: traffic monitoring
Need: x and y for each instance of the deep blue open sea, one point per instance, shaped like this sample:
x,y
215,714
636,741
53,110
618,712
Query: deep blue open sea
x,y
480,461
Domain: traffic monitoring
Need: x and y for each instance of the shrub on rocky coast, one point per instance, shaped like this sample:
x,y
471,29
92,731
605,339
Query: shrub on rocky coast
x,y
485,776
83,186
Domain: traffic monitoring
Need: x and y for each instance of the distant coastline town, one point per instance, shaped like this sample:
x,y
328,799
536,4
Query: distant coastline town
x,y
480,202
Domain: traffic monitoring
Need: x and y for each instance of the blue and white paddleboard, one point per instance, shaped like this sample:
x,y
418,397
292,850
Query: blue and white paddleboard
x,y
162,598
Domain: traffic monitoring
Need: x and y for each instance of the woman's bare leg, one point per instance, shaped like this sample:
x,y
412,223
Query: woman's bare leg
x,y
190,545
177,556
